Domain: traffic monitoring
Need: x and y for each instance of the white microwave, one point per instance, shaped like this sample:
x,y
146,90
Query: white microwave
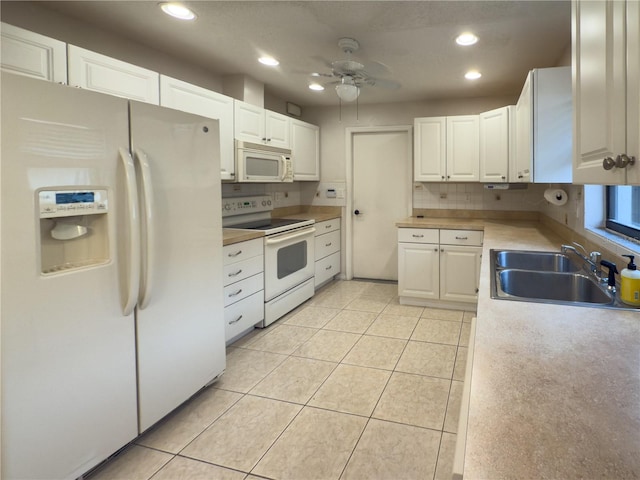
x,y
262,163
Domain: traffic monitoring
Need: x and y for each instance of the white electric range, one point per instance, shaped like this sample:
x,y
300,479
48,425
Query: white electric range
x,y
288,252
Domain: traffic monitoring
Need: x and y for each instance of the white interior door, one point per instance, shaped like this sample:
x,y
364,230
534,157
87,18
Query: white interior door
x,y
381,166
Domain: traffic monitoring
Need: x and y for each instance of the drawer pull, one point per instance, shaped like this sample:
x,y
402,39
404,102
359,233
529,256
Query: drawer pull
x,y
235,254
417,236
235,293
235,274
328,226
236,320
327,244
328,268
462,238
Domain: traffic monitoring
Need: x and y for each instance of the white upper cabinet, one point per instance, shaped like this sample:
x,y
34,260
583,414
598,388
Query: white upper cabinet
x,y
446,149
605,56
200,101
496,144
463,148
430,149
34,55
94,71
544,142
305,150
257,125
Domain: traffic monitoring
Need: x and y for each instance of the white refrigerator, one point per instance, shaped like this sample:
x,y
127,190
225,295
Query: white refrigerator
x,y
111,288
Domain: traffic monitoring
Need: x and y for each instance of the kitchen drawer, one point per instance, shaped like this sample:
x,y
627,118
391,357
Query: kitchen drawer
x,y
327,268
237,252
237,271
461,237
242,289
243,314
327,226
327,244
418,235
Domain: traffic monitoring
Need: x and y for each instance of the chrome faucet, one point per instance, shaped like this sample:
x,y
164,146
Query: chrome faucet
x,y
593,258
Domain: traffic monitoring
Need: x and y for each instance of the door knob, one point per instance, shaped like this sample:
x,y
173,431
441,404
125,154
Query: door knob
x,y
356,212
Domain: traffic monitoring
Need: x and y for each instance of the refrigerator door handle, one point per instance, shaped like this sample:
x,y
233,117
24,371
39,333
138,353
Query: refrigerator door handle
x,y
147,240
133,273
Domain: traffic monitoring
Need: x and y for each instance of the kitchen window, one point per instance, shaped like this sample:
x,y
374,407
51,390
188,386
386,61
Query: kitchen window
x,y
623,210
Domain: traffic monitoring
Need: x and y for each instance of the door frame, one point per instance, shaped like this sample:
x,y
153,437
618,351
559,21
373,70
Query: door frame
x,y
350,133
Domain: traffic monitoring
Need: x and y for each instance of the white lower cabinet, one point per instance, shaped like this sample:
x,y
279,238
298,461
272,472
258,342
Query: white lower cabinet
x,y
438,265
327,251
243,286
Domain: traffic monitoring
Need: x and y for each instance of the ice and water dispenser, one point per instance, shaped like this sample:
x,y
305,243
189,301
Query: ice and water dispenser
x,y
73,229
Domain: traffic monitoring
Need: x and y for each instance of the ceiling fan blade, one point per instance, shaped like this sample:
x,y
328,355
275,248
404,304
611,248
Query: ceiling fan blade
x,y
382,83
346,66
376,68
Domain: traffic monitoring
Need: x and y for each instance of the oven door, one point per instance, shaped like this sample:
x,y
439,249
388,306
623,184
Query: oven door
x,y
288,260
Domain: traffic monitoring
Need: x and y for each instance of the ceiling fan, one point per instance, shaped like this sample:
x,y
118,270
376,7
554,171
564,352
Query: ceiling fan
x,y
353,75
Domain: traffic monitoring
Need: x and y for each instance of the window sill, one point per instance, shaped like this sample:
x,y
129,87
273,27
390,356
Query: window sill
x,y
614,242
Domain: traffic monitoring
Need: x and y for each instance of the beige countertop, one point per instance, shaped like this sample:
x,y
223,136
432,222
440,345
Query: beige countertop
x,y
235,235
555,390
317,216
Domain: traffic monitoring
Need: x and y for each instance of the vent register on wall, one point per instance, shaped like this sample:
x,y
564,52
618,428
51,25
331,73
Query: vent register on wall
x,y
109,212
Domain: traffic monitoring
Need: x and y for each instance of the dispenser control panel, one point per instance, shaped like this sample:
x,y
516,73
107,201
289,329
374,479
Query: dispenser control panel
x,y
67,203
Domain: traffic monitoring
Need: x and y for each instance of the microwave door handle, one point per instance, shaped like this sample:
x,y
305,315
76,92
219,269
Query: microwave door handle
x,y
283,168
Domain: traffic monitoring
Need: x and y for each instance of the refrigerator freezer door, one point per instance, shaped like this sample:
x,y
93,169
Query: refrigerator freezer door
x,y
68,352
180,330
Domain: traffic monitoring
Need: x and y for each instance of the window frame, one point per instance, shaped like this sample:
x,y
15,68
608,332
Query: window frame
x,y
610,224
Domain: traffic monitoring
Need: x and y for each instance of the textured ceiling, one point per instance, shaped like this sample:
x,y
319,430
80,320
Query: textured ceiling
x,y
414,40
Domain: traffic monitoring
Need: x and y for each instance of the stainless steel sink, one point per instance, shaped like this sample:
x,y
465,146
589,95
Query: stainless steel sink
x,y
546,277
541,261
557,286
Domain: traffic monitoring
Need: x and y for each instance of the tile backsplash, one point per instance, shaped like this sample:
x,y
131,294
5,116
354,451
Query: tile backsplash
x,y
473,196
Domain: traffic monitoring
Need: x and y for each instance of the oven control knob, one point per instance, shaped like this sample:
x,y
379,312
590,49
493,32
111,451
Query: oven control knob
x,y
269,202
227,206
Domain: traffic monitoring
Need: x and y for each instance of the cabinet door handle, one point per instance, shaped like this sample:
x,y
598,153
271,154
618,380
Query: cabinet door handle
x,y
235,274
435,249
327,244
234,254
622,161
236,320
328,226
235,293
328,268
462,238
417,236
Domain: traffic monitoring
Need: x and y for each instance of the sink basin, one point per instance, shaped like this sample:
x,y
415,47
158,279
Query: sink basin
x,y
541,261
552,286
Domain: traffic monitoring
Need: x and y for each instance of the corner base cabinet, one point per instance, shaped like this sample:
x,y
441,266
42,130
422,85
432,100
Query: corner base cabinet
x,y
438,266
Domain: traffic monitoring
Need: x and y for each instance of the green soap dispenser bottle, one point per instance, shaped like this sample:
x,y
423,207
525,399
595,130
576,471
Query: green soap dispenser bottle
x,y
630,283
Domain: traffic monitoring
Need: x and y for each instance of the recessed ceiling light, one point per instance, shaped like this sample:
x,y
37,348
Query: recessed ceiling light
x,y
472,75
466,39
178,10
272,62
316,86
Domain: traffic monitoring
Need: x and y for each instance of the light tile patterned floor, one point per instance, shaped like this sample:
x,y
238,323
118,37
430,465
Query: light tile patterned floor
x,y
350,385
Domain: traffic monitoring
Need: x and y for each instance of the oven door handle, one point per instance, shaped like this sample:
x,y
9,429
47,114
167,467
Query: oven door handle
x,y
288,236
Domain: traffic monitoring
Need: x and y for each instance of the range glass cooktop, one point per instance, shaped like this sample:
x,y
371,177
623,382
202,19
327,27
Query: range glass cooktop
x,y
268,224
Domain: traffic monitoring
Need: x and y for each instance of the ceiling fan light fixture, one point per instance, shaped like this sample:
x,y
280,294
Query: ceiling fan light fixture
x,y
177,10
472,75
467,38
316,87
347,90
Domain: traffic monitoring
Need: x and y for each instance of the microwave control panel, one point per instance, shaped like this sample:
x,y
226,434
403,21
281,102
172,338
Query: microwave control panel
x,y
68,203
